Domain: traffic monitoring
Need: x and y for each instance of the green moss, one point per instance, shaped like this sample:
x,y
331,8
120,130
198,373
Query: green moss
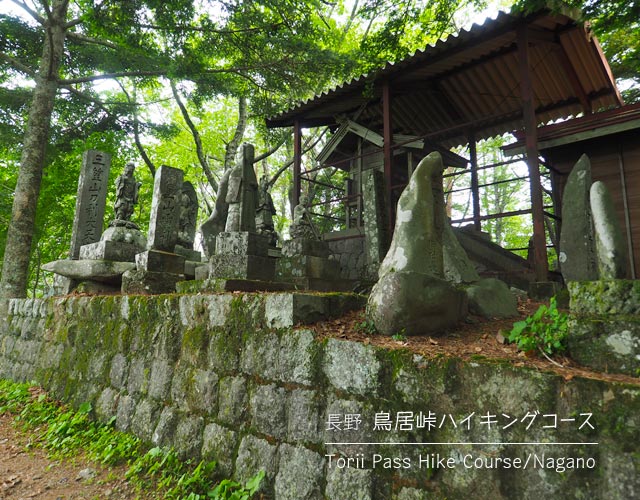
x,y
195,341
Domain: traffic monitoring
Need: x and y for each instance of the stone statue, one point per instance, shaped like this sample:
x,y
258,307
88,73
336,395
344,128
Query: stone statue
x,y
302,227
188,215
127,188
265,212
242,193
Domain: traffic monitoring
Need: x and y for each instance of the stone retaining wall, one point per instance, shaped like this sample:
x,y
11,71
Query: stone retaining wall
x,y
351,256
229,377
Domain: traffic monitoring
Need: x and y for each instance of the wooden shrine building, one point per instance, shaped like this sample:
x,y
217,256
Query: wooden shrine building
x,y
510,74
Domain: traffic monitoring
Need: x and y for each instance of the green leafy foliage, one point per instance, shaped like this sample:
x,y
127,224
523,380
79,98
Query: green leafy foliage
x,y
545,331
65,432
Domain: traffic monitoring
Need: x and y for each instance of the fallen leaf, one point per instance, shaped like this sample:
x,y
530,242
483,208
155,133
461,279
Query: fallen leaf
x,y
434,342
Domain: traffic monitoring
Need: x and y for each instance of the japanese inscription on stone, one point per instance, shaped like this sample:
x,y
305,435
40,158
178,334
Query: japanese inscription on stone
x,y
165,209
91,200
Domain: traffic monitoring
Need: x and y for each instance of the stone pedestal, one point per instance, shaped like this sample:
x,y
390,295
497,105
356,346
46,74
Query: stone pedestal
x,y
149,282
159,261
306,263
242,255
110,250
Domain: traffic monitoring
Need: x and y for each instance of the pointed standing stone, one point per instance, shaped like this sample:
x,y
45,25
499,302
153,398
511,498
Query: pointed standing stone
x,y
611,247
90,201
577,248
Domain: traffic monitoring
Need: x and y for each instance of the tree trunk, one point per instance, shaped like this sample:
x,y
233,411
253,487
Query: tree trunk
x,y
15,269
232,147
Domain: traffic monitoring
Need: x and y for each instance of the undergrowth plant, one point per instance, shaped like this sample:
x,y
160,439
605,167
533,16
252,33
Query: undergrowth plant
x,y
65,432
544,331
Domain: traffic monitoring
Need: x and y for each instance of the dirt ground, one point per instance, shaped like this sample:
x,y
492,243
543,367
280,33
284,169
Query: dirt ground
x,y
27,472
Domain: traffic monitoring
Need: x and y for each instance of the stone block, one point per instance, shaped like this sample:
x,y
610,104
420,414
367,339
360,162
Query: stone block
x,y
107,405
190,267
201,273
204,393
145,419
163,435
606,344
307,266
491,298
232,400
352,367
288,309
349,437
149,282
219,444
268,410
300,474
349,484
138,379
242,243
297,357
160,380
158,261
245,267
544,290
165,209
124,414
188,438
254,455
110,250
303,416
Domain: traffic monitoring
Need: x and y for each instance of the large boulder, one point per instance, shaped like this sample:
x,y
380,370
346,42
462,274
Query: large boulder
x,y
414,304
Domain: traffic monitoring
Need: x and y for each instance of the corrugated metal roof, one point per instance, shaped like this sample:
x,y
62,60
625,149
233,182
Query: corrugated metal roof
x,y
472,81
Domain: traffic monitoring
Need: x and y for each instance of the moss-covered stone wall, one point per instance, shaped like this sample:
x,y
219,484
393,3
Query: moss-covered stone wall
x,y
230,377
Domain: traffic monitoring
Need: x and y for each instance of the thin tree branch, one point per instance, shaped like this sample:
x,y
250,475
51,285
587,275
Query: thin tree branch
x,y
83,38
307,147
18,65
73,23
31,12
210,30
270,152
196,137
107,76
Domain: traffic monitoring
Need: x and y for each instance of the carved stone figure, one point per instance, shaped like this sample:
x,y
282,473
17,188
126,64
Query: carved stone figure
x,y
265,212
127,188
242,193
302,227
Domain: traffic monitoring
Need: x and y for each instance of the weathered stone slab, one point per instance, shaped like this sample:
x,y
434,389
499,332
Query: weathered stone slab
x,y
188,254
375,223
165,209
105,271
307,266
149,282
188,215
254,455
90,201
110,250
245,267
242,243
458,268
349,484
352,367
304,246
300,474
158,261
219,444
577,247
242,193
611,247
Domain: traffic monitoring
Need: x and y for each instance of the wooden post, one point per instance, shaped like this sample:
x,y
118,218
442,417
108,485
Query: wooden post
x,y
475,190
387,152
297,162
531,133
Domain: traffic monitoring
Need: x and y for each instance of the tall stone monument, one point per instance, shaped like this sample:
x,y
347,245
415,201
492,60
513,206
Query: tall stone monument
x,y
265,211
577,246
187,230
411,295
242,253
158,269
90,201
214,225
